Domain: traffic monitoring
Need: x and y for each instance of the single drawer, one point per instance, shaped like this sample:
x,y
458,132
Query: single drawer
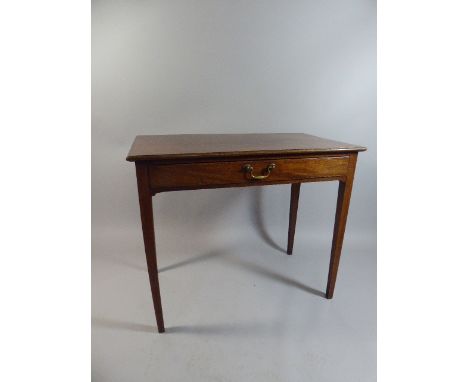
x,y
246,172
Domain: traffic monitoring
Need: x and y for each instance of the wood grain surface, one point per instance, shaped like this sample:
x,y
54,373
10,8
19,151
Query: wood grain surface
x,y
190,146
201,175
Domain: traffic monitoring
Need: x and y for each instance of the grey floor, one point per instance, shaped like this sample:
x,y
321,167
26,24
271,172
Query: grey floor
x,y
236,308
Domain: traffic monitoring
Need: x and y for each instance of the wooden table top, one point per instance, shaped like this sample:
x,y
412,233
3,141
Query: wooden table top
x,y
189,146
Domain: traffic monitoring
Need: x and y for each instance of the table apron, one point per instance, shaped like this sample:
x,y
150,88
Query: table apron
x,y
191,176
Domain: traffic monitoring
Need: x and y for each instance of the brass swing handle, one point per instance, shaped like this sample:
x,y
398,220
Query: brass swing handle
x,y
249,169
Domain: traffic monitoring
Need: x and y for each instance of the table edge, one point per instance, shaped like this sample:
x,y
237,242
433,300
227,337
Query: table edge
x,y
238,154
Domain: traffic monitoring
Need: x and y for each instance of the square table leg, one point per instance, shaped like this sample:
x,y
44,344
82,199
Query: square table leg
x,y
147,223
295,190
342,206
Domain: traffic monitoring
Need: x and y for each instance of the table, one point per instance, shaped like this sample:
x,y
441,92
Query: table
x,y
200,161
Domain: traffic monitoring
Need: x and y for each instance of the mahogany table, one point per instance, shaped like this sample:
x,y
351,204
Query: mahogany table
x,y
198,161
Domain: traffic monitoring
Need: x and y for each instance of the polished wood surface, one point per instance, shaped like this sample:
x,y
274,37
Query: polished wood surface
x,y
233,174
185,162
190,146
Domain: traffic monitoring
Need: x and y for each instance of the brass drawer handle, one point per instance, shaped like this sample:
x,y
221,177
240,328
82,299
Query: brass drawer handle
x,y
249,169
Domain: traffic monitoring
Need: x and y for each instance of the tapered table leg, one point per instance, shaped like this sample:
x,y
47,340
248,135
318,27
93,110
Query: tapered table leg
x,y
147,223
295,189
342,206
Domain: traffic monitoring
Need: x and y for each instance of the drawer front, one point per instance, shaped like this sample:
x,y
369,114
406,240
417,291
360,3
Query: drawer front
x,y
237,173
